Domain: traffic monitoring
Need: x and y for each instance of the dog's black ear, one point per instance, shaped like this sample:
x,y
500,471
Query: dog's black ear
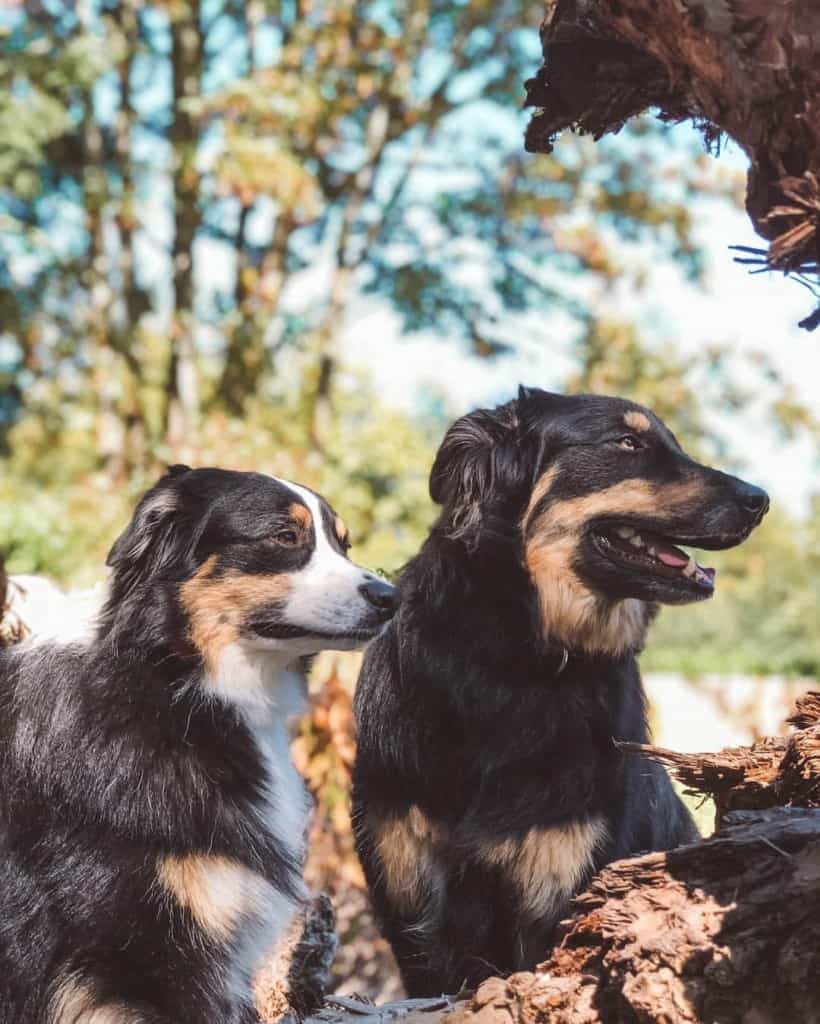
x,y
479,465
157,536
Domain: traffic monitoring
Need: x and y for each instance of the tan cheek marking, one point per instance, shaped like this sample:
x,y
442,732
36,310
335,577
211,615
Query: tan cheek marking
x,y
548,864
75,1003
629,497
542,487
216,607
571,612
574,615
216,891
406,849
636,420
300,514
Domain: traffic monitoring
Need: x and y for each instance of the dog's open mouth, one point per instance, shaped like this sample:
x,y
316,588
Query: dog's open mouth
x,y
651,553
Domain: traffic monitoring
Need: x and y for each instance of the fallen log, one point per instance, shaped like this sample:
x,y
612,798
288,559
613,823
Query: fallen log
x,y
777,771
721,932
724,931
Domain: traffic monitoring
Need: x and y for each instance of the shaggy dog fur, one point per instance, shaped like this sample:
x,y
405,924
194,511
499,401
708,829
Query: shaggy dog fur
x,y
488,784
151,823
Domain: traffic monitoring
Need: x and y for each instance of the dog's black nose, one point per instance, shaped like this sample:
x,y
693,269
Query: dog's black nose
x,y
383,596
755,501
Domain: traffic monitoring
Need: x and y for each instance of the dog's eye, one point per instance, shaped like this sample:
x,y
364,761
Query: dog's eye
x,y
629,443
287,538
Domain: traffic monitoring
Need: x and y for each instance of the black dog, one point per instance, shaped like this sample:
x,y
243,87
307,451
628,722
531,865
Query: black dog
x,y
151,823
488,785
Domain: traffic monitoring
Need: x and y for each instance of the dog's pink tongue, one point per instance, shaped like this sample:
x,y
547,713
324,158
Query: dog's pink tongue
x,y
670,555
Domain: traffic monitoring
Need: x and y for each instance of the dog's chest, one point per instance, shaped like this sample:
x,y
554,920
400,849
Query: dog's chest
x,y
283,809
284,803
546,866
239,910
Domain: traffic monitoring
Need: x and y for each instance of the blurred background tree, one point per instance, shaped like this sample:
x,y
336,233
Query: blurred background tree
x,y
198,199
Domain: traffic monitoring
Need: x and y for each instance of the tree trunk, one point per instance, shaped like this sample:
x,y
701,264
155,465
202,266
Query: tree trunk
x,y
133,300
747,68
109,432
721,932
182,386
246,356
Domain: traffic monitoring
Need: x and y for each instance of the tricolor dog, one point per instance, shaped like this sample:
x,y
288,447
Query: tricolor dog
x,y
488,784
151,823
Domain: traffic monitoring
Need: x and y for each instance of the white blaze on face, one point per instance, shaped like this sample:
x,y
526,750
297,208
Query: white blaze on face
x,y
325,596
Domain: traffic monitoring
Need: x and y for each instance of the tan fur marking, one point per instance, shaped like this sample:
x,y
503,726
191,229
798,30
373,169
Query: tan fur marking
x,y
300,514
340,529
629,497
636,420
216,607
571,612
548,864
75,1003
217,891
542,487
574,614
407,851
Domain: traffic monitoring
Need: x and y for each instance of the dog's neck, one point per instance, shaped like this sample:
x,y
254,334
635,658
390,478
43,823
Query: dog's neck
x,y
535,595
260,684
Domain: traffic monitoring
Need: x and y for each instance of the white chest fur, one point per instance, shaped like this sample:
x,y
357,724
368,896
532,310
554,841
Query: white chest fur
x,y
233,904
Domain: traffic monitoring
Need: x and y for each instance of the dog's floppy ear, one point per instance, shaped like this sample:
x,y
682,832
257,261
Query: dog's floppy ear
x,y
478,465
153,540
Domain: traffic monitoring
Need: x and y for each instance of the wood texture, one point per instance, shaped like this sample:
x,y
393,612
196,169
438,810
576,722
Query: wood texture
x,y
747,68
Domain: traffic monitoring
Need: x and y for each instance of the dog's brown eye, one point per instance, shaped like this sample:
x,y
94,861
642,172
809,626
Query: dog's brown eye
x,y
629,443
287,538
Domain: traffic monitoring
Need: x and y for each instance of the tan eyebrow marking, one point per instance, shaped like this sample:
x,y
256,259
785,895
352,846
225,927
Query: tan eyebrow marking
x,y
301,515
636,420
341,530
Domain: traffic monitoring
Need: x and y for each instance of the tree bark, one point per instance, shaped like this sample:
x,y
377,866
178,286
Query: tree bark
x,y
186,60
748,68
134,301
721,932
724,931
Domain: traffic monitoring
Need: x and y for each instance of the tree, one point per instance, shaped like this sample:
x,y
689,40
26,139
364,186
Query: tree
x,y
152,145
751,70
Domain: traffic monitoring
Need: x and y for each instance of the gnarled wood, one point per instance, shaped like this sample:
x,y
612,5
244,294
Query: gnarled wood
x,y
750,68
724,931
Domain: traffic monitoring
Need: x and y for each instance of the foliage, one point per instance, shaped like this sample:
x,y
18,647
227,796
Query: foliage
x,y
59,515
197,197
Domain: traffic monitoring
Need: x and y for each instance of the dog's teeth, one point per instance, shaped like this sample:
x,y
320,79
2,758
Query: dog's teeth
x,y
636,541
625,531
690,567
653,551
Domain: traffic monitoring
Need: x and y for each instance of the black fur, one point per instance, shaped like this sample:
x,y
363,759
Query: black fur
x,y
115,756
473,731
